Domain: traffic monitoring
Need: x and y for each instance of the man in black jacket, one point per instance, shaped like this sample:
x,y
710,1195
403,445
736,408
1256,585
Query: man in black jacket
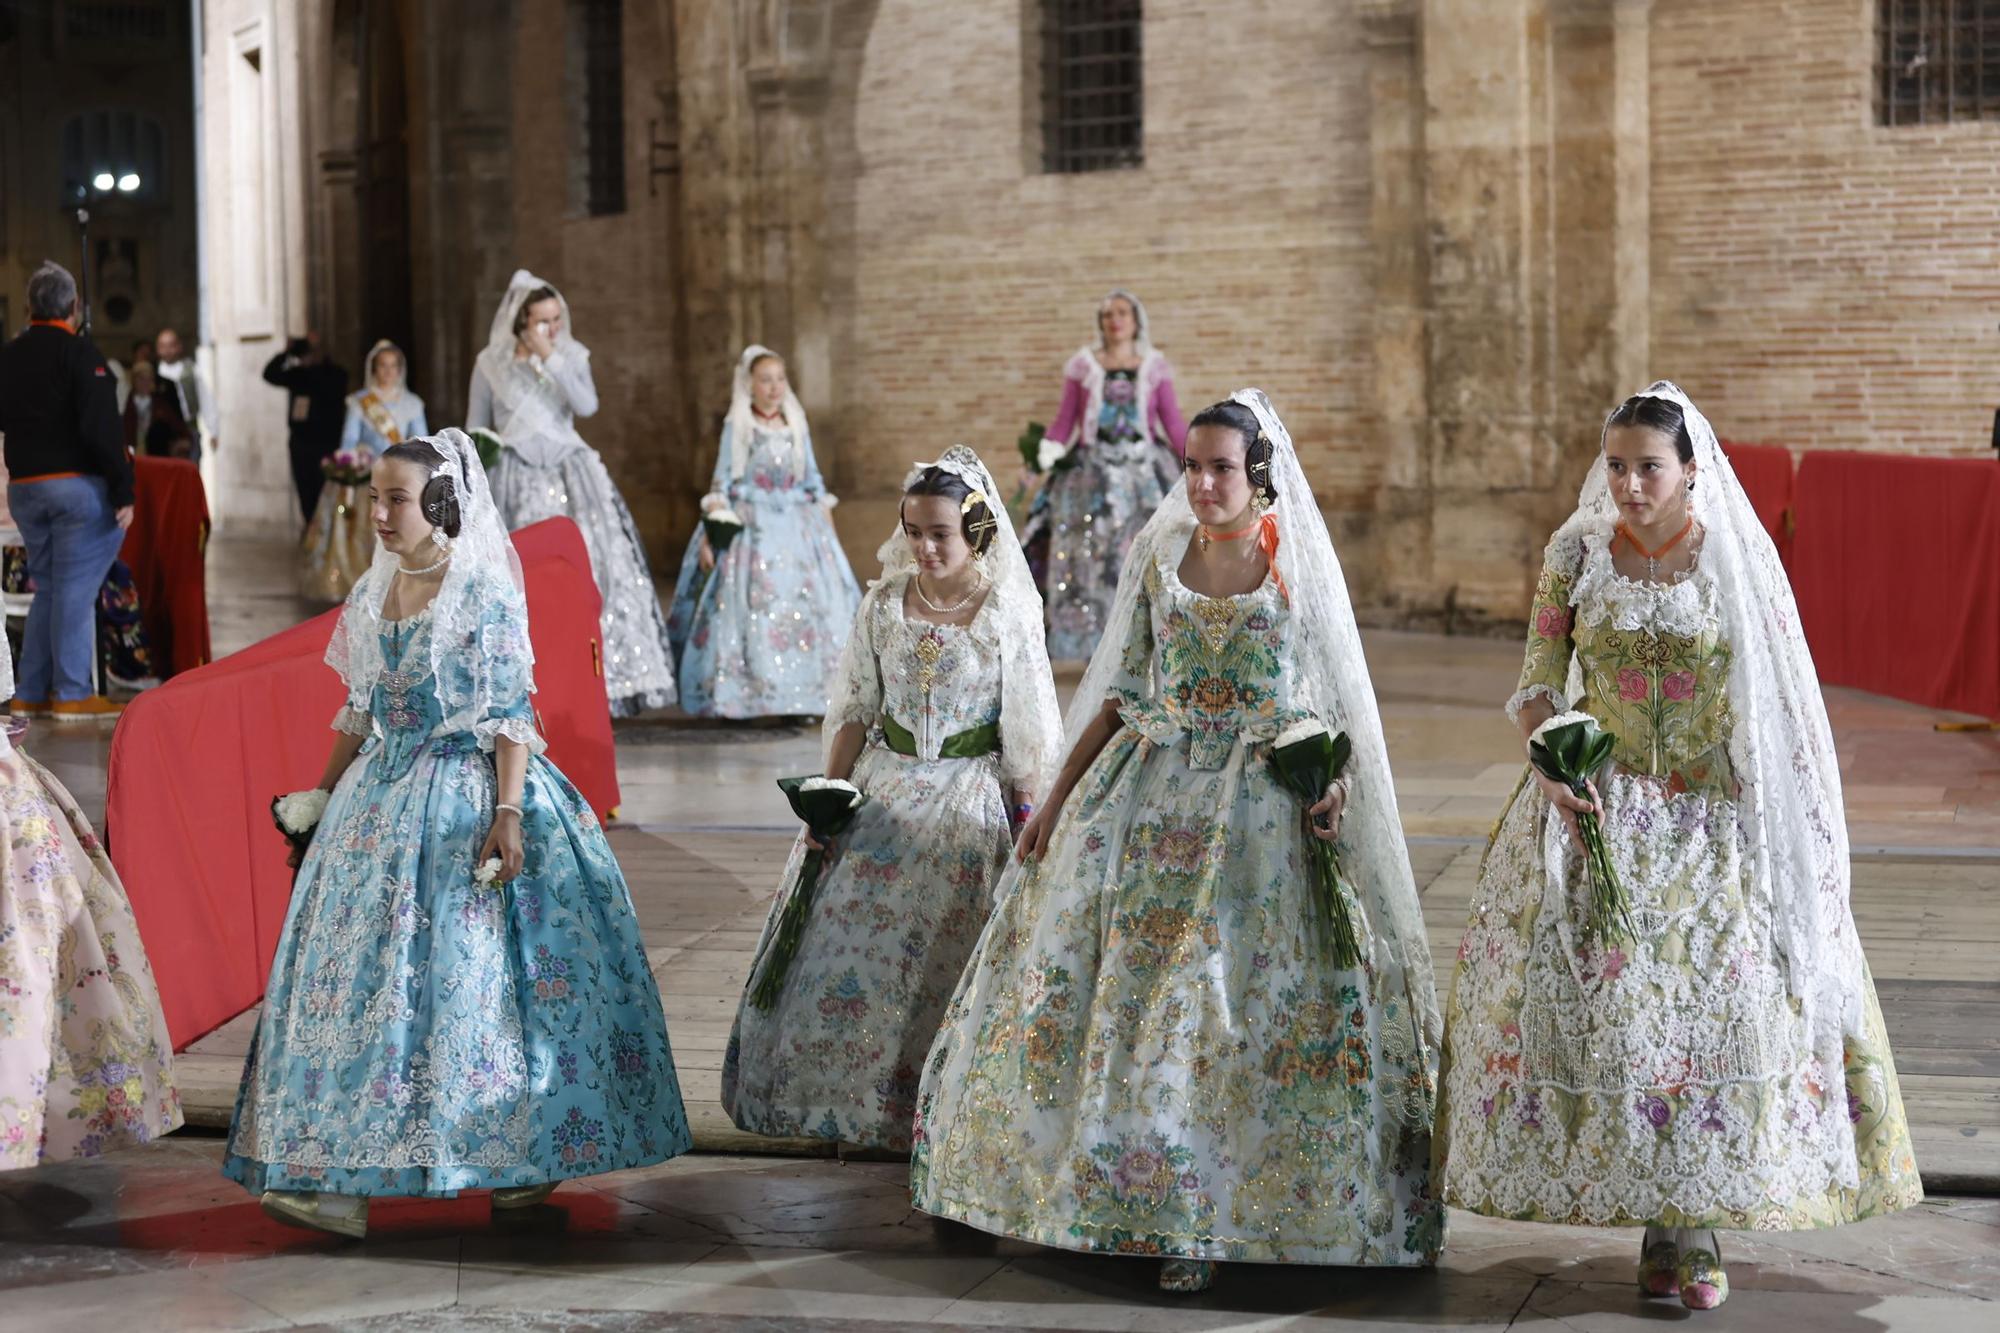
x,y
70,492
316,412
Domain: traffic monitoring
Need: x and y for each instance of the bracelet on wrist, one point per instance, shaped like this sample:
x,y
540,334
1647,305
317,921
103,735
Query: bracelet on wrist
x,y
504,805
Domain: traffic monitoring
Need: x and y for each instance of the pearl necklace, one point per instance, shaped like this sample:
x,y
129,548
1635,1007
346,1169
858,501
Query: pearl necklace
x,y
442,561
978,586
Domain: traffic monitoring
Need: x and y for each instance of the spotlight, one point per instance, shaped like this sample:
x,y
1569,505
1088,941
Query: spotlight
x,y
103,180
128,182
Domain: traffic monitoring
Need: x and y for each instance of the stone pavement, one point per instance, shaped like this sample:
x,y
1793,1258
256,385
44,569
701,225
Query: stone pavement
x,y
724,1240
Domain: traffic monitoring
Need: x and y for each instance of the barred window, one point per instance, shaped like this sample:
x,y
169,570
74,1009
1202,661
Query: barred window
x,y
597,57
95,21
1093,87
1937,61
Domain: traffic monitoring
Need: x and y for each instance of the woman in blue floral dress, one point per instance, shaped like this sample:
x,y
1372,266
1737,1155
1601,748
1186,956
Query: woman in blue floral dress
x,y
1153,1051
944,714
460,998
757,628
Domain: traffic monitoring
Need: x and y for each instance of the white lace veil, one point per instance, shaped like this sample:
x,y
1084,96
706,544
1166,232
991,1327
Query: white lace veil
x,y
742,418
1142,338
523,417
1030,719
484,572
1782,745
368,366
1331,681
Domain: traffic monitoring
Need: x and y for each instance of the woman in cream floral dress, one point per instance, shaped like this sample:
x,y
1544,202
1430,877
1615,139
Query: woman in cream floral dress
x,y
1724,1066
1152,1051
85,1063
944,714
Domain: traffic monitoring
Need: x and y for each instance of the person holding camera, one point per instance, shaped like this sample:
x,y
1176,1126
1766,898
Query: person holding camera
x,y
69,491
315,414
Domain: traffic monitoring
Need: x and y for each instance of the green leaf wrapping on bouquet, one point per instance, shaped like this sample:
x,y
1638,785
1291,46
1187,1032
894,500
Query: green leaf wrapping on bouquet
x,y
720,533
1306,768
1573,755
1030,445
488,444
827,812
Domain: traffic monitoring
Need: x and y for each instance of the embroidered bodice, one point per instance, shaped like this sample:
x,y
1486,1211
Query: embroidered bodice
x,y
774,463
1121,419
1212,670
935,680
404,711
1654,667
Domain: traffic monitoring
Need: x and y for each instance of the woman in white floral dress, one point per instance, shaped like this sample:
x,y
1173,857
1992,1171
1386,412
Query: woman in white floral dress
x,y
944,715
1723,1064
85,1062
1153,1051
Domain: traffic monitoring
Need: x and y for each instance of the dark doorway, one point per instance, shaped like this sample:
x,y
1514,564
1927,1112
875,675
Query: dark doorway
x,y
383,172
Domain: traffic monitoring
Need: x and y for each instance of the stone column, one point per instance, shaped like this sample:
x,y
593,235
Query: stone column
x,y
1401,291
788,61
1489,449
1632,144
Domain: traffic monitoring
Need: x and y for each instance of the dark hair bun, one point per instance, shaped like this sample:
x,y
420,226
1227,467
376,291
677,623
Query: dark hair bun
x,y
976,520
1663,415
440,497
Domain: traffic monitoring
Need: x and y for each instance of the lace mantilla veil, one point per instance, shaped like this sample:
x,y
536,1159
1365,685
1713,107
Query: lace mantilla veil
x,y
484,573
742,420
1030,720
1782,745
1332,682
522,418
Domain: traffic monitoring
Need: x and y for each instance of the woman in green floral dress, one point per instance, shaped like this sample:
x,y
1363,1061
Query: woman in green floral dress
x,y
1722,1063
1152,1051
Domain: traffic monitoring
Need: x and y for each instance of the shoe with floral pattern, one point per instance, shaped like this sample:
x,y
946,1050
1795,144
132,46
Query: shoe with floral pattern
x,y
1186,1276
1704,1282
1659,1262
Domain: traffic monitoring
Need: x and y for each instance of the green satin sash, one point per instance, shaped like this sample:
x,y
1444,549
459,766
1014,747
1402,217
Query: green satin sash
x,y
970,744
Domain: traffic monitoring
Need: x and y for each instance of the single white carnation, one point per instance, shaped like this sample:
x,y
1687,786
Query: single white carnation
x,y
833,784
300,812
1049,452
488,873
1561,720
1302,730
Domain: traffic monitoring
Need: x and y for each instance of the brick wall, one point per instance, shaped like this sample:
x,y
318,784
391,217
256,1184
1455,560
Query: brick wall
x,y
968,277
1818,280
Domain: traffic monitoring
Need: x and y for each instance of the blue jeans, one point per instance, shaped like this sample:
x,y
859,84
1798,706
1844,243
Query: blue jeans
x,y
72,536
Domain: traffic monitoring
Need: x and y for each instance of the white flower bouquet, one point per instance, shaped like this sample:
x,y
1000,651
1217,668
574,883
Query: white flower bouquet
x,y
297,815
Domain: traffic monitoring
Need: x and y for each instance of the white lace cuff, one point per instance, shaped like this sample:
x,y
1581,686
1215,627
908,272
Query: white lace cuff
x,y
520,730
353,722
1522,698
828,499
713,501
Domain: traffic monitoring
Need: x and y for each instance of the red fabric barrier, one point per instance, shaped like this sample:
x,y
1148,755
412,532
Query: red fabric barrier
x,y
166,549
1896,565
195,763
1765,470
